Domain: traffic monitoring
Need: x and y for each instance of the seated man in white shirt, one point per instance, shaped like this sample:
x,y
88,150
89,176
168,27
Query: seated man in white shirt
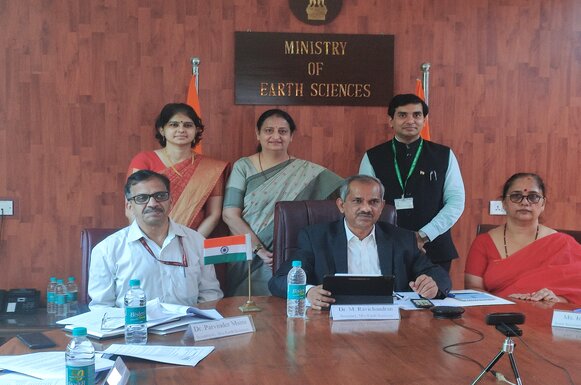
x,y
359,244
167,257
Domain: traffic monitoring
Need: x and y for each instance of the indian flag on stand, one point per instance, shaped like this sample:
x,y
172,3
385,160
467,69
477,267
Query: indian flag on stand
x,y
235,248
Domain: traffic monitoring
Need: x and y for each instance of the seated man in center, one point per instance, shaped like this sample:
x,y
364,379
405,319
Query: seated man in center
x,y
360,244
165,256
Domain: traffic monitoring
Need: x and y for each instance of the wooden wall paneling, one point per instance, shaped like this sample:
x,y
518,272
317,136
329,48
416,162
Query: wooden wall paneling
x,y
82,83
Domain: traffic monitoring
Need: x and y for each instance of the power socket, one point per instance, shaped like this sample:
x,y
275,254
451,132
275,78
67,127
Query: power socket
x,y
7,208
496,208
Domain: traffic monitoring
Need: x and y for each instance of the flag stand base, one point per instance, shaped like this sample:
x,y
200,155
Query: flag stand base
x,y
249,306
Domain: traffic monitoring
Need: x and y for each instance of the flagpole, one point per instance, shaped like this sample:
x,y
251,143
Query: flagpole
x,y
193,92
249,280
249,305
196,71
426,82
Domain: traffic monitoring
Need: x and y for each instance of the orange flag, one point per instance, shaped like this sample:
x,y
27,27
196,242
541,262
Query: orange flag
x,y
194,102
420,92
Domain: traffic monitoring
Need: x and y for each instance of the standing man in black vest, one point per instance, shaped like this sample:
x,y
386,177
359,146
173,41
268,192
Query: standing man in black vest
x,y
422,179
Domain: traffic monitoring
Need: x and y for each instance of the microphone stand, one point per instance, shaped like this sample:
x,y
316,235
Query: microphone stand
x,y
507,347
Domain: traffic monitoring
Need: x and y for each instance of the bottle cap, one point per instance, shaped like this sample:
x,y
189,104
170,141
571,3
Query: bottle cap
x,y
297,264
134,282
71,279
53,279
59,281
79,332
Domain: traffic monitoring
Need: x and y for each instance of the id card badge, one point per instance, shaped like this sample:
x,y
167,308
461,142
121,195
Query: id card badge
x,y
404,203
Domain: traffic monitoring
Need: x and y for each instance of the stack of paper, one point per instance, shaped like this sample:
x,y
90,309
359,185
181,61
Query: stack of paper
x,y
49,366
161,319
178,355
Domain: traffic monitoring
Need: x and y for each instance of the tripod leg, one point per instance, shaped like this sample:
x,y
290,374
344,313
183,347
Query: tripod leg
x,y
514,369
489,366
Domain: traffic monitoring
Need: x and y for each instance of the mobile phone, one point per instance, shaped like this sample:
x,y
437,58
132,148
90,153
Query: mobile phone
x,y
36,340
422,303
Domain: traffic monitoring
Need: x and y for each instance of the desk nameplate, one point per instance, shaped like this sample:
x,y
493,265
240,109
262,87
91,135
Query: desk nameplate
x,y
364,312
225,327
119,374
566,319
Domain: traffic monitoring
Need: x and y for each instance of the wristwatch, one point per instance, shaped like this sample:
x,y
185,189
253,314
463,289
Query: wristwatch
x,y
257,247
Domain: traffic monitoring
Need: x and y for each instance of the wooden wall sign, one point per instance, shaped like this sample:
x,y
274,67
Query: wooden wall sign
x,y
313,69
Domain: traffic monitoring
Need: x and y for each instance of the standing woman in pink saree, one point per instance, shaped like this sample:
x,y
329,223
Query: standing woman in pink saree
x,y
197,181
524,259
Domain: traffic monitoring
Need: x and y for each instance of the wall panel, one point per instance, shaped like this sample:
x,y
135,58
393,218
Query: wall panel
x,y
82,82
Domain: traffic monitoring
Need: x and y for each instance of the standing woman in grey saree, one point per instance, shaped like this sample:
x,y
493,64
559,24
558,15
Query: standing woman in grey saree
x,y
256,183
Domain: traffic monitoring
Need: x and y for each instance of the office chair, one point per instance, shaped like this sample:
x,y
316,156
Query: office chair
x,y
89,239
291,216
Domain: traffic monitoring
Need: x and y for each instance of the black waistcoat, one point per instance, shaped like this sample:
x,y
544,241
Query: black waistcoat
x,y
425,185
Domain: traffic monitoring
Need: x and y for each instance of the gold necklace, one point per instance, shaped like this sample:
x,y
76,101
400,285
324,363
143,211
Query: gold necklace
x,y
172,163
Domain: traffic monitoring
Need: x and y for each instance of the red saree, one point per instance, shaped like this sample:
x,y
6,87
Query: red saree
x,y
553,262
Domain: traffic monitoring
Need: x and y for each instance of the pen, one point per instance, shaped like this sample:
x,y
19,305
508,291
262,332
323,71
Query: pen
x,y
451,295
396,295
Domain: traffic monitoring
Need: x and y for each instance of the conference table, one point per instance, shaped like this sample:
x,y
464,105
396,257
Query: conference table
x,y
318,350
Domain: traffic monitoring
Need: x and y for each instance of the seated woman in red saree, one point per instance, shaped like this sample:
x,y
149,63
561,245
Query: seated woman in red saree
x,y
523,259
197,181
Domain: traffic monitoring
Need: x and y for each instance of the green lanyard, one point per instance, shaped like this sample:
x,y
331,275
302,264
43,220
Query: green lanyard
x,y
412,168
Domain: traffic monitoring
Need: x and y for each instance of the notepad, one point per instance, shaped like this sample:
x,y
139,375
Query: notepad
x,y
473,296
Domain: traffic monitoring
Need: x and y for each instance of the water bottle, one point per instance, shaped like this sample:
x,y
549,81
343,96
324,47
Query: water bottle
x,y
60,292
72,294
80,359
50,298
295,295
135,314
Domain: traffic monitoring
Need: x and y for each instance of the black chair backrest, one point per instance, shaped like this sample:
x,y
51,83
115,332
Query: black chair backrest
x,y
291,216
89,239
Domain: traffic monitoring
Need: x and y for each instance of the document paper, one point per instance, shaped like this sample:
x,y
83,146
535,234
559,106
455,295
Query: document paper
x,y
45,365
179,355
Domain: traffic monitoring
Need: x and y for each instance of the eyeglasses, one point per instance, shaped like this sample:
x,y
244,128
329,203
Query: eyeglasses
x,y
176,124
532,198
142,199
111,323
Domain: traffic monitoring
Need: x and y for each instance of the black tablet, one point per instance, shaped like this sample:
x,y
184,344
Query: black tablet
x,y
360,289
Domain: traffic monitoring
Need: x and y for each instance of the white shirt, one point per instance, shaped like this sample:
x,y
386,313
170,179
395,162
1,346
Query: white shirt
x,y
454,197
362,257
122,257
